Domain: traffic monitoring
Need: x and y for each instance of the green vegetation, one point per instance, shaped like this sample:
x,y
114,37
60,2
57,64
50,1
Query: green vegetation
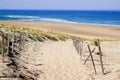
x,y
95,42
6,36
36,34
40,38
41,35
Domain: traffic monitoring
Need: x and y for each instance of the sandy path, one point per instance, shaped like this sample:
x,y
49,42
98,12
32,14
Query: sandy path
x,y
59,60
62,62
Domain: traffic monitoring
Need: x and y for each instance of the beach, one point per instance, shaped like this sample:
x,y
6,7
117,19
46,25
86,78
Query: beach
x,y
60,60
60,40
85,31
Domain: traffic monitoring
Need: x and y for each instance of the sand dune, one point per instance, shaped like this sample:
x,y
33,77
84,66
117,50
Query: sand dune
x,y
59,60
86,31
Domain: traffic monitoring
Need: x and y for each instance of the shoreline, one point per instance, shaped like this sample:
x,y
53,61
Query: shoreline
x,y
81,30
87,24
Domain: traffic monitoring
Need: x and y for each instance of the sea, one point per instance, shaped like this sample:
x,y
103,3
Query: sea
x,y
106,18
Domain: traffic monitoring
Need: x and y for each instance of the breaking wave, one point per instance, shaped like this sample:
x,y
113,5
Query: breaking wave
x,y
37,18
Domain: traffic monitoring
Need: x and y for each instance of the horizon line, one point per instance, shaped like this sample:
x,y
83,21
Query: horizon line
x,y
58,10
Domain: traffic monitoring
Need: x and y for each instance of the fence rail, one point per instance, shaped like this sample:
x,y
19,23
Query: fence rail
x,y
78,44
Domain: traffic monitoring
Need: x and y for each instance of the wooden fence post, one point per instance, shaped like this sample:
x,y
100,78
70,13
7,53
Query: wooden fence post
x,y
8,45
92,59
81,48
13,38
89,56
23,39
2,46
20,42
78,46
73,42
101,61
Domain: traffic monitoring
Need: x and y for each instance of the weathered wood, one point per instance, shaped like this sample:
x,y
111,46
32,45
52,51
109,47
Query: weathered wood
x,y
2,46
81,48
73,42
16,39
88,56
23,41
78,47
20,42
101,61
92,59
13,39
8,45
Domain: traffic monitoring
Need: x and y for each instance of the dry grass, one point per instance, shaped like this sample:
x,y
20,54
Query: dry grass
x,y
41,35
36,34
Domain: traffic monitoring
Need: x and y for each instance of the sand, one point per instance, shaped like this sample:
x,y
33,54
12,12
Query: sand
x,y
86,31
60,61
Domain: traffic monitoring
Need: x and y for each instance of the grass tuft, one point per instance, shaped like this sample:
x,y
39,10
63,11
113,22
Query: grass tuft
x,y
95,42
40,38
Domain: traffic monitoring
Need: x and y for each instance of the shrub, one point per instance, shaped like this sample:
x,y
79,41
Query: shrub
x,y
52,38
40,38
6,36
95,42
32,37
62,38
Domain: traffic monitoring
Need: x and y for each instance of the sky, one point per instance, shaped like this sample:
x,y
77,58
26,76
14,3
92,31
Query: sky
x,y
61,4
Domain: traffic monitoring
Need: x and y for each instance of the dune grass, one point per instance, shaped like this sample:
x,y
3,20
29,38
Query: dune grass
x,y
41,35
36,34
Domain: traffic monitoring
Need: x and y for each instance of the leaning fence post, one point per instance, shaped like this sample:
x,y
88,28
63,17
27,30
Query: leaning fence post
x,y
101,61
89,56
92,59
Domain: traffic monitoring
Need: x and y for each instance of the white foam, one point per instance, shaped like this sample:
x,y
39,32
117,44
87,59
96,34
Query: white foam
x,y
37,18
57,20
21,16
100,24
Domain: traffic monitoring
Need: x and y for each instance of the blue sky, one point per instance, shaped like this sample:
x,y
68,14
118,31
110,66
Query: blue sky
x,y
61,4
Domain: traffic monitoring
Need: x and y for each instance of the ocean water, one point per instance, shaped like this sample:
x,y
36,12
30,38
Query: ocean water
x,y
107,18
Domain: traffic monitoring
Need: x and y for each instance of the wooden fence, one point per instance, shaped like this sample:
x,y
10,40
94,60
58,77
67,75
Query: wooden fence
x,y
11,43
78,44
